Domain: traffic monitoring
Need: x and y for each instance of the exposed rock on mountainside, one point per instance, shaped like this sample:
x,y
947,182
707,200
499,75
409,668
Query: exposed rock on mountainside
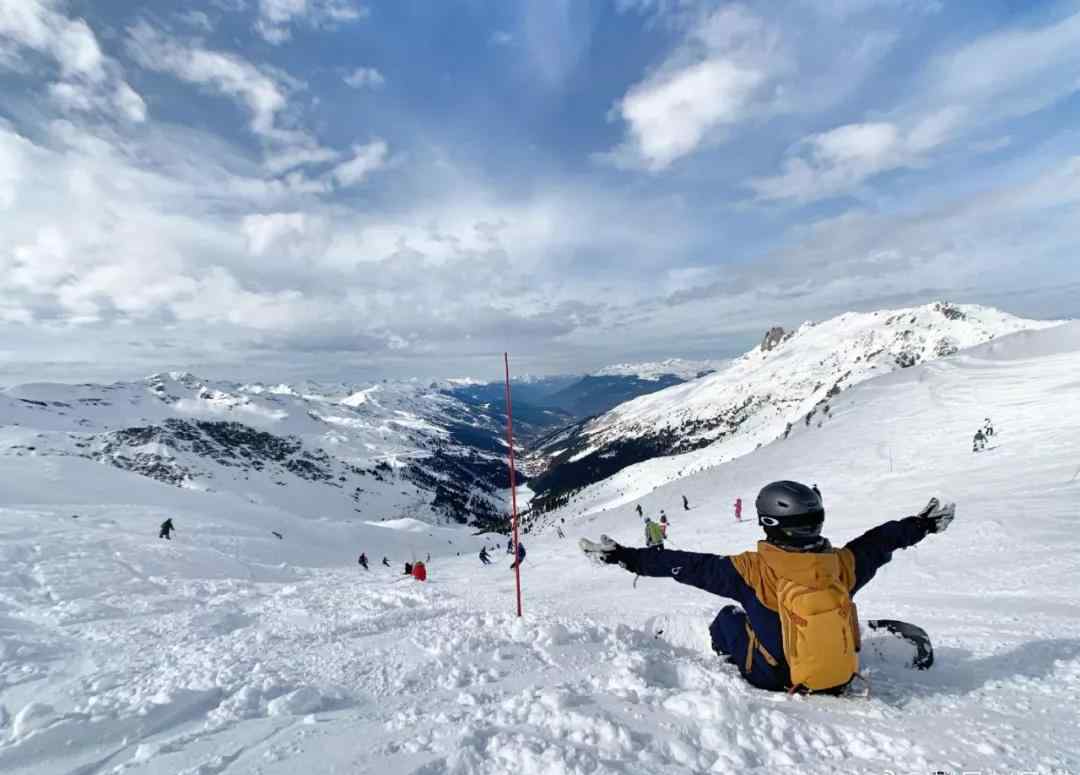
x,y
385,451
773,338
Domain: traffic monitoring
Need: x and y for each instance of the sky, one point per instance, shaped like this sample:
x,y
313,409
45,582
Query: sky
x,y
357,189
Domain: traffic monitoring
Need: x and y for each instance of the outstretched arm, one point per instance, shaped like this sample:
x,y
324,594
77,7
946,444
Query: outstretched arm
x,y
875,548
711,572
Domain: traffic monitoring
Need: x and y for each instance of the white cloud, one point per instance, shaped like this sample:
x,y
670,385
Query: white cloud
x,y
299,156
39,25
1000,76
711,82
276,17
76,96
91,81
130,103
501,38
295,234
72,96
365,77
226,73
366,159
1011,73
671,116
843,158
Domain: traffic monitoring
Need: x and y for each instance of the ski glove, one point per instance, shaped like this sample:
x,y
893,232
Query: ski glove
x,y
605,552
935,517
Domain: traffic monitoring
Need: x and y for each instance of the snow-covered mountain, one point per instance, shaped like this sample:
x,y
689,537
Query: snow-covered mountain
x,y
384,451
227,650
675,367
756,398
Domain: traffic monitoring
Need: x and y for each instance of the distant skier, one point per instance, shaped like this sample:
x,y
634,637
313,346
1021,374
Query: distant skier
x,y
685,504
386,562
654,534
520,556
795,589
559,531
640,513
166,529
408,569
510,545
988,428
363,561
738,509
978,444
664,526
484,557
419,571
814,487
428,560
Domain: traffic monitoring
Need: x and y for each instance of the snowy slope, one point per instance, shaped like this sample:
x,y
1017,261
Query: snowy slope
x,y
755,399
122,653
383,451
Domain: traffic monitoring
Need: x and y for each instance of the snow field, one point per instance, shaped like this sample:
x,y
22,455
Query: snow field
x,y
229,652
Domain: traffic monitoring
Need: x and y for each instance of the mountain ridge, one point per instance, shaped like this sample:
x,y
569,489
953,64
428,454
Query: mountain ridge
x,y
756,398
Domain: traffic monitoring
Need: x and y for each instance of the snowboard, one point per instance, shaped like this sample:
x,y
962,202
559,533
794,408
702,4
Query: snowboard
x,y
918,651
885,641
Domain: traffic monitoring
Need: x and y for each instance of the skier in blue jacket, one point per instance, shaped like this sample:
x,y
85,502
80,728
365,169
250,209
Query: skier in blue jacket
x,y
792,516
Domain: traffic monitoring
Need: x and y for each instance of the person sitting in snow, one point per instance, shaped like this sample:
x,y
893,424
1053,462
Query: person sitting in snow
x,y
795,590
166,529
419,571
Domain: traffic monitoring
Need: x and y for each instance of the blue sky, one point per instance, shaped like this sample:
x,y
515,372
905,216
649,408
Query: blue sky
x,y
344,189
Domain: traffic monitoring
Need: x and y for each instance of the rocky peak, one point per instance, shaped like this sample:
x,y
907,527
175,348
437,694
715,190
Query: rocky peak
x,y
773,338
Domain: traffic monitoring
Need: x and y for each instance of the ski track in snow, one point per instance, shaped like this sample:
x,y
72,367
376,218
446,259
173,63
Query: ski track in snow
x,y
121,653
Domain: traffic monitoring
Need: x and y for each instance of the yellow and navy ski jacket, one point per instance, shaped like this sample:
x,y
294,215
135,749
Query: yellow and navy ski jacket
x,y
754,640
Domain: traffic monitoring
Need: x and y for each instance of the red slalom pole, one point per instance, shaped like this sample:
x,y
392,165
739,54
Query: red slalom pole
x,y
513,482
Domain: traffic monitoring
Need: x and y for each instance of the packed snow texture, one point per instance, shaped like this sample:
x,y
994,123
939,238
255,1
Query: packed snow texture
x,y
229,651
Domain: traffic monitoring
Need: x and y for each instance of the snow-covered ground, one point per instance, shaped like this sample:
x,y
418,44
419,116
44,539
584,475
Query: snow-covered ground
x,y
228,650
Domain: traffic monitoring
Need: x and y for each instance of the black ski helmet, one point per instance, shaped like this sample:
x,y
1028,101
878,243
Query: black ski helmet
x,y
791,514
